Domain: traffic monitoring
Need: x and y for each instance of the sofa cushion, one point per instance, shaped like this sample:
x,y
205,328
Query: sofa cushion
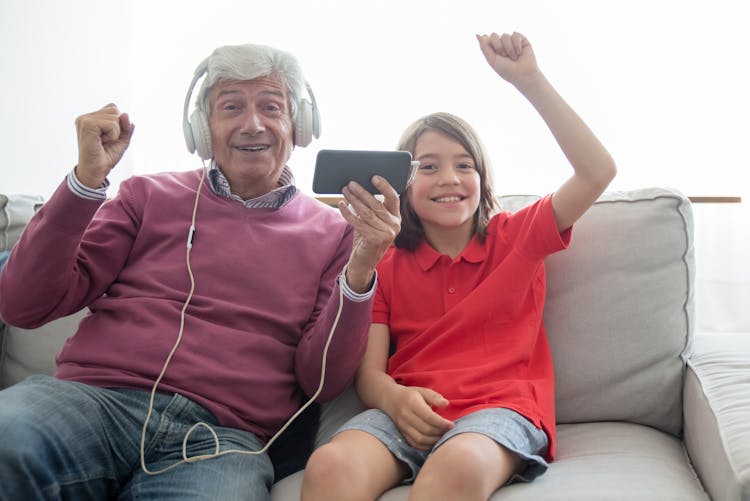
x,y
620,310
335,413
15,212
618,351
595,461
717,401
25,352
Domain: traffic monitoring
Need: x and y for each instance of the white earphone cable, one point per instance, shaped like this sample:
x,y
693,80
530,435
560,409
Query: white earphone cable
x,y
217,452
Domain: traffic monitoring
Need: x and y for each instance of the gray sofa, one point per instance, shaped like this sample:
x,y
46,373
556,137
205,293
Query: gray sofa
x,y
647,409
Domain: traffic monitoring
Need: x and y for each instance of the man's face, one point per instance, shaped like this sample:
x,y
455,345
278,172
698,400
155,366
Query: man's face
x,y
251,132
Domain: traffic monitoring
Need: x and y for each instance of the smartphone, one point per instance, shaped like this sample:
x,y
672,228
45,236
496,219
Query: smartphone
x,y
335,168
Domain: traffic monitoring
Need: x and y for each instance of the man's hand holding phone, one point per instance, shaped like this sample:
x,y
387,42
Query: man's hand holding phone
x,y
376,225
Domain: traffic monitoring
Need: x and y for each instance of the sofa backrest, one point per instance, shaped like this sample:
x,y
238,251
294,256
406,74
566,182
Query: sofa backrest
x,y
620,309
15,212
619,315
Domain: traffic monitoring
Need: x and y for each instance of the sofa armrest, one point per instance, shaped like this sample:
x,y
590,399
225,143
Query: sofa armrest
x,y
717,414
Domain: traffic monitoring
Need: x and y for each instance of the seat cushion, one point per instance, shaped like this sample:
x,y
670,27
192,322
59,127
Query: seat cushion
x,y
595,461
612,461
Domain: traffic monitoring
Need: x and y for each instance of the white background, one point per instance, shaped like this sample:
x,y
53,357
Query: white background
x,y
664,84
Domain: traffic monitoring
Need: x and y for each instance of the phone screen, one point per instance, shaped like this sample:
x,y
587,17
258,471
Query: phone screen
x,y
335,168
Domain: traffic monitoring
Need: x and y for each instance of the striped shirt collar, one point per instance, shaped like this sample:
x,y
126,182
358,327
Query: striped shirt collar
x,y
274,199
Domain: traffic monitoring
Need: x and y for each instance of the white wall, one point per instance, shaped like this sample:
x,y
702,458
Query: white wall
x,y
663,83
58,60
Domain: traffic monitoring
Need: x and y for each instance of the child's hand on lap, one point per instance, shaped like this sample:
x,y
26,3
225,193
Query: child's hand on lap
x,y
411,411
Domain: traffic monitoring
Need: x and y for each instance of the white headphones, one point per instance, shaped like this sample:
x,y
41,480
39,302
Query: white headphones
x,y
198,134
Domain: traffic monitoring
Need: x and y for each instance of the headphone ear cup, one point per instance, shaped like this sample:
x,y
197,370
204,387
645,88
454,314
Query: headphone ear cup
x,y
200,134
303,124
307,121
314,119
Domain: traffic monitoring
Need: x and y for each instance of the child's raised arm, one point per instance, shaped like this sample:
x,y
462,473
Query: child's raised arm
x,y
512,57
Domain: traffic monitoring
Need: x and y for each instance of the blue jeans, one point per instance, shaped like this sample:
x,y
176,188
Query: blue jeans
x,y
66,440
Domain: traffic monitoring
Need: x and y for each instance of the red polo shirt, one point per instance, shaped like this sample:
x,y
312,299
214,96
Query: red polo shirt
x,y
471,327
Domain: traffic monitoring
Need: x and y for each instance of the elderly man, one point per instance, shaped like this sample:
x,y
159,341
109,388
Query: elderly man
x,y
214,294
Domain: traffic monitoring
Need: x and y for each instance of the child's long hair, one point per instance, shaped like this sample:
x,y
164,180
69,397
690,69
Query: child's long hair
x,y
412,232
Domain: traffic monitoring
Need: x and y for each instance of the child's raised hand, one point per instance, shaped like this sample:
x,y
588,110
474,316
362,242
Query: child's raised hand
x,y
413,415
511,56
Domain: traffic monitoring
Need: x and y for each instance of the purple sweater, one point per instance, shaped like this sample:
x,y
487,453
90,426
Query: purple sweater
x,y
265,298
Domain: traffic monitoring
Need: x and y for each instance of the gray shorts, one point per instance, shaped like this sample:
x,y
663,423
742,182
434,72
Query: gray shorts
x,y
504,426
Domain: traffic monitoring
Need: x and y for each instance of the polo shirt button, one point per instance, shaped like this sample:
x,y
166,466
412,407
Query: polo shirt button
x,y
451,290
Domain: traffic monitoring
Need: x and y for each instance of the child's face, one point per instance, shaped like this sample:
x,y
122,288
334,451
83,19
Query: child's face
x,y
445,191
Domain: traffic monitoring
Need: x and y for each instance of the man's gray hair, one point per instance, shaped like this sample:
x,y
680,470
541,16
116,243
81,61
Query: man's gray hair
x,y
248,62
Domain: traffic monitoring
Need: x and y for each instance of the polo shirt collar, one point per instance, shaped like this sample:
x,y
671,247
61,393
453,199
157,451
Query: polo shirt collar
x,y
427,256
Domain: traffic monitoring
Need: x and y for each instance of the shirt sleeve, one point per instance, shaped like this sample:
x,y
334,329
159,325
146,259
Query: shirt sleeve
x,y
54,270
356,296
84,191
533,230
